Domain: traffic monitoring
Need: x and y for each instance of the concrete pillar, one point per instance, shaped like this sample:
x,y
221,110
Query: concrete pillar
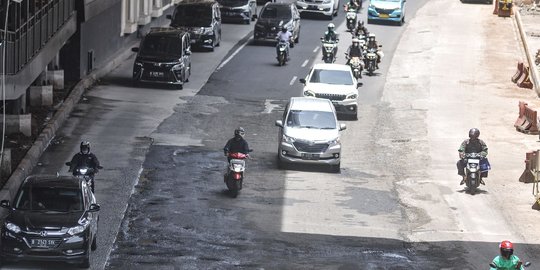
x,y
6,163
41,95
56,78
144,12
157,9
18,123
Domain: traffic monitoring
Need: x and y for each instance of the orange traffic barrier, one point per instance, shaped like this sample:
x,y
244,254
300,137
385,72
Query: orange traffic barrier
x,y
530,164
519,72
525,80
527,121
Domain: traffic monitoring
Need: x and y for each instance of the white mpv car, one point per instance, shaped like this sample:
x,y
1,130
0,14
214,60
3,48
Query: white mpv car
x,y
336,83
309,133
328,8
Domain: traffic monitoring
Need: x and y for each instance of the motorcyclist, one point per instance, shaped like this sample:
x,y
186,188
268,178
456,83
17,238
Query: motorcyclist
x,y
361,30
372,43
84,157
354,4
284,36
355,51
330,36
471,145
507,260
237,144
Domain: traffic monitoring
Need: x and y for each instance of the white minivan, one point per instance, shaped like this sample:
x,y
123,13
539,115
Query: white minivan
x,y
309,132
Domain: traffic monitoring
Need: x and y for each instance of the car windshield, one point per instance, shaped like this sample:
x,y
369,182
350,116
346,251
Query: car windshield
x,y
276,12
311,119
388,0
233,3
331,77
161,45
194,16
56,199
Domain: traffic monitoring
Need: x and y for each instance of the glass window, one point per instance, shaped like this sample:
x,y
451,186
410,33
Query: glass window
x,y
311,119
276,12
57,199
161,45
331,77
195,16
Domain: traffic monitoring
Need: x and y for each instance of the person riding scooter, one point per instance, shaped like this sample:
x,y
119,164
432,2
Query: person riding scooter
x,y
472,145
372,44
84,157
237,144
506,259
284,36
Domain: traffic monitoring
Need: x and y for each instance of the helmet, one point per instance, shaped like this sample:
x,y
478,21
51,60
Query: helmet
x,y
239,131
85,147
355,40
507,249
331,26
474,133
371,35
361,24
284,28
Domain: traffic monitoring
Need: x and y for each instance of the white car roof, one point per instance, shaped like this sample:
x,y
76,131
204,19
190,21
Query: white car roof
x,y
311,104
332,66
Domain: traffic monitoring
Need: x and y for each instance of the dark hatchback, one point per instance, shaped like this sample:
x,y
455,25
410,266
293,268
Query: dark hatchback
x,y
272,17
164,56
53,218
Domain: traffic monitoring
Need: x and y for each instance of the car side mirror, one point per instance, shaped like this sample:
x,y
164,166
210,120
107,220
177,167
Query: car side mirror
x,y
302,80
322,39
5,204
342,127
94,207
359,84
135,49
68,164
527,264
169,17
250,150
380,46
279,123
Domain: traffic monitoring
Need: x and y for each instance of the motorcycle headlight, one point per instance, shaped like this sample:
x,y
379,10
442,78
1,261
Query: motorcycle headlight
x,y
12,227
287,139
77,229
309,93
352,96
83,170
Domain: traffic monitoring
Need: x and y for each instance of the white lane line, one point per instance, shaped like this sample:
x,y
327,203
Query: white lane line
x,y
316,49
232,55
305,63
293,80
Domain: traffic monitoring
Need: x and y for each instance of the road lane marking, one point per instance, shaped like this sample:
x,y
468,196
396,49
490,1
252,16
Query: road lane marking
x,y
293,80
233,54
305,63
316,49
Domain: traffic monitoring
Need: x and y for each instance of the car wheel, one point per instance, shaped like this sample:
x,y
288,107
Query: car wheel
x,y
94,243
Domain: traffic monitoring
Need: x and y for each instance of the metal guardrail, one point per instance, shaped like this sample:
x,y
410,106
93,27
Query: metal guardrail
x,y
28,39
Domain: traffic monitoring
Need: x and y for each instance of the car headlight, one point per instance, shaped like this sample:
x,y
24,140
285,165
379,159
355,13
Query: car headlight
x,y
309,93
177,67
138,64
287,139
371,7
327,1
244,7
334,141
352,96
206,31
77,229
396,12
12,227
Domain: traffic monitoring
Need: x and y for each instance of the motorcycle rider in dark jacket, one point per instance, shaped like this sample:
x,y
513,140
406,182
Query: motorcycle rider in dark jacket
x,y
237,144
472,145
84,157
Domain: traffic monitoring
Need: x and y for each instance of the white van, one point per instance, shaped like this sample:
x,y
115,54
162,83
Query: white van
x,y
310,133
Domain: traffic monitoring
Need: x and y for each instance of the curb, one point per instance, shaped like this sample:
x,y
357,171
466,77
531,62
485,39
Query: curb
x,y
41,143
533,69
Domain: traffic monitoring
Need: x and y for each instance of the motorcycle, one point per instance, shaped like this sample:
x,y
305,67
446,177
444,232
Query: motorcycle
x,y
85,172
473,172
351,18
235,172
282,53
329,49
518,266
371,60
356,66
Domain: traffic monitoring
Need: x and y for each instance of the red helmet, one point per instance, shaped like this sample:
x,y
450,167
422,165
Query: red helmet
x,y
507,249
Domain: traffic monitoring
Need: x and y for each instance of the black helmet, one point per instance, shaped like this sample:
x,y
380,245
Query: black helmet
x,y
239,132
284,28
85,147
474,133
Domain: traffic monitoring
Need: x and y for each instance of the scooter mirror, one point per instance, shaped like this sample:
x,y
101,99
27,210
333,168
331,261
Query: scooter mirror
x,y
100,167
527,264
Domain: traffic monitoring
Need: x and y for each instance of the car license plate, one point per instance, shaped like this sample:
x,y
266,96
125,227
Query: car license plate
x,y
43,243
156,74
312,7
384,15
229,13
310,156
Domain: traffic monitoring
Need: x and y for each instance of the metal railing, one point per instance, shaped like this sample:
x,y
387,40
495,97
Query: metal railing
x,y
30,37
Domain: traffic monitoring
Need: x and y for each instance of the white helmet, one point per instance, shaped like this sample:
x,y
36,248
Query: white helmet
x,y
331,26
371,35
355,40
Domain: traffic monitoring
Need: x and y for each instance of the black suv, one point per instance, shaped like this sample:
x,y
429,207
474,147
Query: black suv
x,y
275,15
202,19
51,218
164,56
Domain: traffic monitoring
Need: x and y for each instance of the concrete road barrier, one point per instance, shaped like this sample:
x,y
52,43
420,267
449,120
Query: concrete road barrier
x,y
525,80
527,176
518,73
527,121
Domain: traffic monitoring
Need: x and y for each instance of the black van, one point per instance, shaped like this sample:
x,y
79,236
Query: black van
x,y
164,56
202,19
